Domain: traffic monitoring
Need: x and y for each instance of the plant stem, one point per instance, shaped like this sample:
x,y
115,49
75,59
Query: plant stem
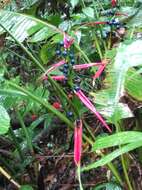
x,y
79,177
98,46
123,161
3,172
24,48
26,132
16,143
126,173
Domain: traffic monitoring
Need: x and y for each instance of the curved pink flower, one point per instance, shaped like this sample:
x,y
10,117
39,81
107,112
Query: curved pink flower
x,y
100,70
68,41
56,65
77,142
57,78
91,107
85,66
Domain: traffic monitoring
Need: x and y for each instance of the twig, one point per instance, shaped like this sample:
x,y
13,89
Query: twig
x,y
3,172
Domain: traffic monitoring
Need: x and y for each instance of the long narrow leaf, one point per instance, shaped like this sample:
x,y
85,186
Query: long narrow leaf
x,y
107,159
117,139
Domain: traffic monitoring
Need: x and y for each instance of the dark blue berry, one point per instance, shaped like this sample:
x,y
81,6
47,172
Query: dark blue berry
x,y
71,55
66,66
69,114
58,52
65,71
61,43
72,61
77,88
65,53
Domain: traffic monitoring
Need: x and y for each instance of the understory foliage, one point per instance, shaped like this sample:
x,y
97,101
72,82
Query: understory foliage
x,y
70,94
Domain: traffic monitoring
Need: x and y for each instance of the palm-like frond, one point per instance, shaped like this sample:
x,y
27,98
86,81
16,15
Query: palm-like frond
x,y
128,56
24,26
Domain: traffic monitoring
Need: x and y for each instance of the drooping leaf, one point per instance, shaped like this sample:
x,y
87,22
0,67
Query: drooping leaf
x,y
120,138
128,56
74,2
4,121
88,11
24,26
133,84
26,187
108,158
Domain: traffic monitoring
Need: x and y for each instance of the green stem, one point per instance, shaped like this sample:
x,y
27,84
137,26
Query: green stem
x,y
83,3
16,143
26,132
42,102
123,161
79,177
126,173
24,49
98,47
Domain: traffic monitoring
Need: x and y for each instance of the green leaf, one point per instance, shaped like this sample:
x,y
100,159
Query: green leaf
x,y
133,84
4,121
128,56
24,26
88,11
120,138
108,158
74,2
26,187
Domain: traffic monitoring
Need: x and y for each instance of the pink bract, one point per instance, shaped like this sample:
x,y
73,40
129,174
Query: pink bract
x,y
68,41
77,142
91,107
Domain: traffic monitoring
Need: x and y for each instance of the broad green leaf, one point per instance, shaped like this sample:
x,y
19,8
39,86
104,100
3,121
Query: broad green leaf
x,y
74,2
108,158
128,56
108,186
8,92
4,121
24,26
136,21
133,84
120,138
88,11
26,187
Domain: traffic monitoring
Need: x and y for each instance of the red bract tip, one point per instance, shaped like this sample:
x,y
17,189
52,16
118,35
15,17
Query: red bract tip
x,y
91,107
53,67
59,78
77,142
34,117
121,14
100,70
113,3
56,105
68,41
85,66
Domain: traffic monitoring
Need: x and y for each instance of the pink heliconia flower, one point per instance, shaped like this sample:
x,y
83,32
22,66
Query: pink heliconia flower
x,y
86,66
68,41
91,107
77,142
113,3
57,78
53,67
100,70
121,14
100,22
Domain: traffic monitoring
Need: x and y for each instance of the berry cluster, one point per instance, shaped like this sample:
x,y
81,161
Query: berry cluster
x,y
68,55
67,69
